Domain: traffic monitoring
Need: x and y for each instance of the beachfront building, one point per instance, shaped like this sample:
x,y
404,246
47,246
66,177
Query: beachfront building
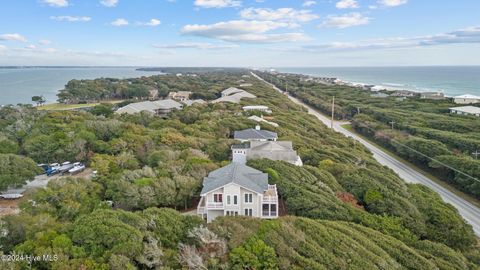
x,y
233,95
273,150
259,108
237,189
466,110
180,95
159,107
255,134
432,95
466,99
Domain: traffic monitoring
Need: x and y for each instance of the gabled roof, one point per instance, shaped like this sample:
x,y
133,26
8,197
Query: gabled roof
x,y
231,90
138,107
254,134
467,109
167,104
150,106
235,98
236,173
278,150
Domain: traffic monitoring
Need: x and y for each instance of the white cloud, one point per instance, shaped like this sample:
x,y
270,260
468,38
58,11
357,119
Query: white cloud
x,y
469,35
343,4
217,3
109,3
71,18
281,14
3,47
13,37
196,45
244,31
309,3
392,3
152,22
56,3
44,42
345,21
30,47
119,22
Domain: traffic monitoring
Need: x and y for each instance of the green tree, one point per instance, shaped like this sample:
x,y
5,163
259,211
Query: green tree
x,y
16,170
253,254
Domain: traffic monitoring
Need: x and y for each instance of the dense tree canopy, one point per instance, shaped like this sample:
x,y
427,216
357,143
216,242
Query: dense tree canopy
x,y
346,210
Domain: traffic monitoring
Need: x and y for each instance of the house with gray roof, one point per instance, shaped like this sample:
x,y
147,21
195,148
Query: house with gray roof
x,y
233,95
255,134
159,107
237,189
273,150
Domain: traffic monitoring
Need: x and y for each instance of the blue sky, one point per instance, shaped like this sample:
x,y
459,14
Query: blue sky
x,y
263,33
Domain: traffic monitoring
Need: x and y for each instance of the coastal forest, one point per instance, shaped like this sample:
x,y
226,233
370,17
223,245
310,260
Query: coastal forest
x,y
343,209
424,132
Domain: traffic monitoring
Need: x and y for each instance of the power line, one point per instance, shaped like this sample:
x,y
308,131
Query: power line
x,y
476,153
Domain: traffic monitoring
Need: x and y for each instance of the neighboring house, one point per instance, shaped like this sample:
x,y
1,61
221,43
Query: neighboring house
x,y
260,119
246,85
466,110
404,93
145,106
255,134
379,95
432,95
159,107
260,108
466,99
230,91
234,98
273,150
180,95
237,189
165,106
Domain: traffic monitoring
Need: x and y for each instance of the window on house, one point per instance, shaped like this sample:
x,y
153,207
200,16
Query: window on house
x,y
248,198
248,212
235,199
228,200
218,197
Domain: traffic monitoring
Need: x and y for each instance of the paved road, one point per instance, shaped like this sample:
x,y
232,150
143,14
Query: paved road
x,y
469,212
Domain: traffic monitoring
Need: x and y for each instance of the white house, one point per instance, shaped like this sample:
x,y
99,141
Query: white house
x,y
273,150
237,189
466,110
466,99
260,108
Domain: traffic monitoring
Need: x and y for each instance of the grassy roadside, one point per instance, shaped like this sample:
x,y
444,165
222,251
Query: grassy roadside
x,y
445,185
64,107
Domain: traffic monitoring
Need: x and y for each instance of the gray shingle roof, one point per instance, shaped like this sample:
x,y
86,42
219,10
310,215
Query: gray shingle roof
x,y
239,174
254,134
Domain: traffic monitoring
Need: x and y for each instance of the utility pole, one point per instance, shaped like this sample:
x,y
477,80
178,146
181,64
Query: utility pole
x,y
392,123
476,154
333,112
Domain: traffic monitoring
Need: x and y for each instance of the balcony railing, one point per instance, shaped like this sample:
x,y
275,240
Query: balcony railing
x,y
215,205
270,199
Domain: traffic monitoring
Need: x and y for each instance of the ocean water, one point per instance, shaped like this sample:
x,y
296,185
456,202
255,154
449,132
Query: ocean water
x,y
18,85
452,80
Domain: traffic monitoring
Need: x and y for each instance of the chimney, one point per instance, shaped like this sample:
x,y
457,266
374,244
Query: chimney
x,y
257,127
